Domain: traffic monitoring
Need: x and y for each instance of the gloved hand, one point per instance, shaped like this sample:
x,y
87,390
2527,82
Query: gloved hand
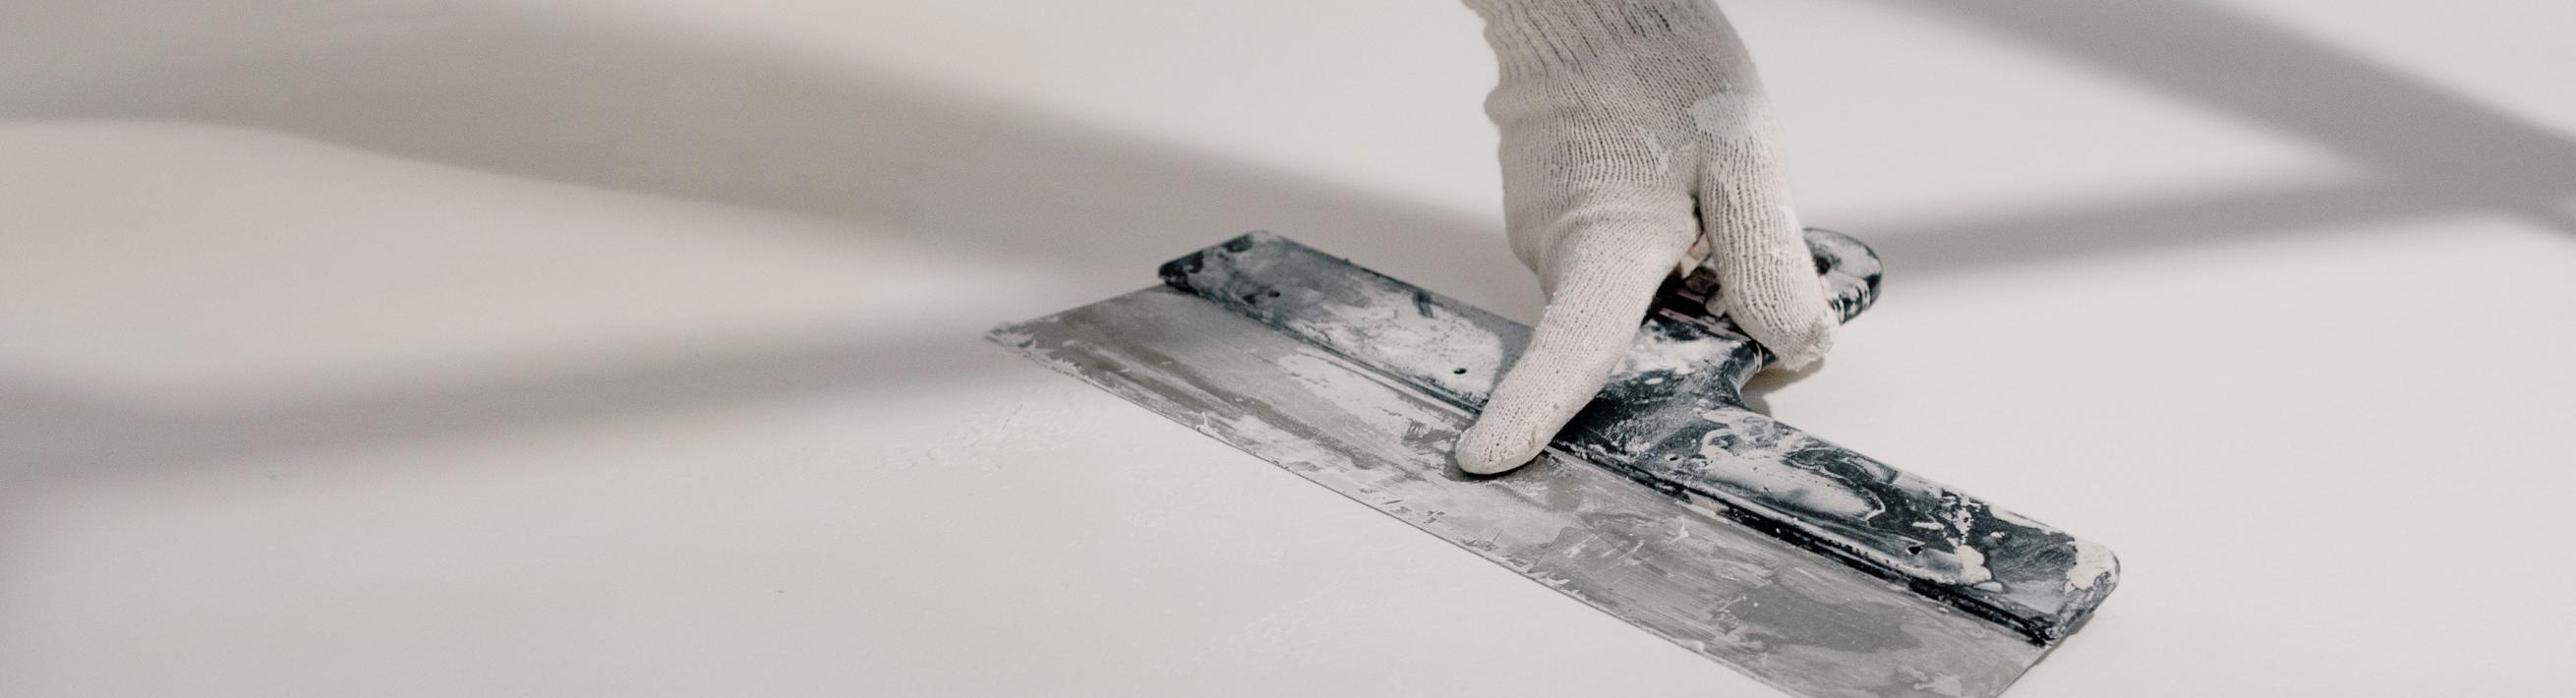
x,y
1636,143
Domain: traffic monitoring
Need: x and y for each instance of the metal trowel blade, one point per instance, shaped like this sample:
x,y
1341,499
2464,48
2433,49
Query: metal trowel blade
x,y
1672,562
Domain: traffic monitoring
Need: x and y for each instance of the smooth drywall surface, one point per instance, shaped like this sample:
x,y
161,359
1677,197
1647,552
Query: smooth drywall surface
x,y
487,347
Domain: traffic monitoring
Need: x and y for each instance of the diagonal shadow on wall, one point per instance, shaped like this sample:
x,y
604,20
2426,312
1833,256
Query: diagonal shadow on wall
x,y
2432,150
671,113
663,110
668,112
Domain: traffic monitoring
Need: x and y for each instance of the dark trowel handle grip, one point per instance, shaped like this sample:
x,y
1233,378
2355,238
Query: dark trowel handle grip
x,y
1850,270
1672,415
1682,332
1454,350
1835,502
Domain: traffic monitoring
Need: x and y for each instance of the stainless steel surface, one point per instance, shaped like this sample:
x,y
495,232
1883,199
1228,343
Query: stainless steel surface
x,y
1666,563
1672,416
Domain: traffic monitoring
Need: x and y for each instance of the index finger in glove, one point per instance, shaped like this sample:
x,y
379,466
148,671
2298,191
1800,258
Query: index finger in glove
x,y
1602,276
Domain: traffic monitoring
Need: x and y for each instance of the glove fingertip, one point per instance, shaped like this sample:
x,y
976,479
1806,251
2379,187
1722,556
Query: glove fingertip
x,y
1818,341
1495,445
1797,329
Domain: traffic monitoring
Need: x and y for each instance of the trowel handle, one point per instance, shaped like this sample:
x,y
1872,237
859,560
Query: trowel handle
x,y
1682,330
1850,270
1670,416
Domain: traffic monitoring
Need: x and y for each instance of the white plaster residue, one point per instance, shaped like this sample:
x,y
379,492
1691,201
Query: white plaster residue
x,y
1751,451
1962,517
1935,684
1013,336
2093,563
2018,520
1972,562
1279,446
1393,329
1654,352
1355,391
1023,341
1972,566
1945,684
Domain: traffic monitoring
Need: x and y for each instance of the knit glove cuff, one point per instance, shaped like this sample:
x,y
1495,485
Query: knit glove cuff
x,y
1532,37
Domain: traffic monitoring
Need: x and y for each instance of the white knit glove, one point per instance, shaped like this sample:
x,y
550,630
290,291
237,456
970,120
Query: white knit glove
x,y
1636,142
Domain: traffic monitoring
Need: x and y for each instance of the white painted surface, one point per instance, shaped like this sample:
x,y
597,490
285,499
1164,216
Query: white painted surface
x,y
472,347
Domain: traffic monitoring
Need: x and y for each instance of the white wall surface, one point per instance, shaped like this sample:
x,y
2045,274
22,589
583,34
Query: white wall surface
x,y
577,347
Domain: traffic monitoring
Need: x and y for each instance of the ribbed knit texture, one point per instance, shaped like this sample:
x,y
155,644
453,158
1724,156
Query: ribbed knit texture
x,y
1636,141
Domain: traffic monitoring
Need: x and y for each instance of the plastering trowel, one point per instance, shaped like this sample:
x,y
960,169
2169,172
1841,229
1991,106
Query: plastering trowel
x,y
1667,502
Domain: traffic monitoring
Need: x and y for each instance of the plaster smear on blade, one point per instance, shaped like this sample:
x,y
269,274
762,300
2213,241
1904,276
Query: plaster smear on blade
x,y
1655,352
1024,341
1753,452
1972,568
1331,380
1972,562
2093,564
1275,444
1410,334
2023,521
